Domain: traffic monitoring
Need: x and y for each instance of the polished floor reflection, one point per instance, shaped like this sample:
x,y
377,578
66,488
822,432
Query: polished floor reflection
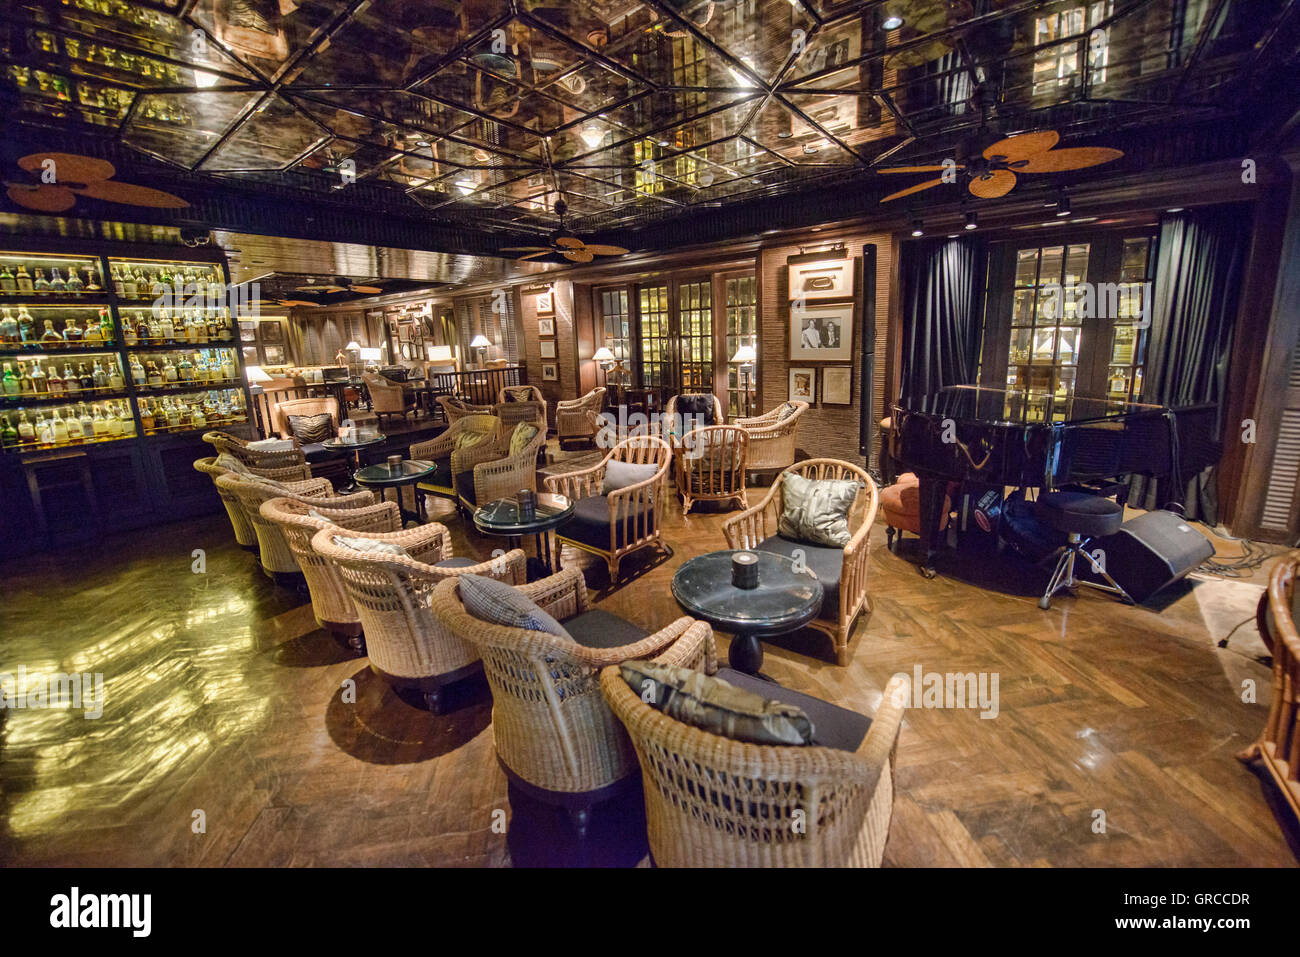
x,y
227,738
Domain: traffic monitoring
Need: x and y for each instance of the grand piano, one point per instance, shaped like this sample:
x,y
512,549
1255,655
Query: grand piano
x,y
1009,438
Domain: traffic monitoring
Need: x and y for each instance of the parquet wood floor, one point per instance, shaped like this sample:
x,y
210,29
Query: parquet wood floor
x,y
223,697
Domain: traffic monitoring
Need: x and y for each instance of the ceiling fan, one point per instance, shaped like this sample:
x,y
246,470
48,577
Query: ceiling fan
x,y
75,175
347,286
993,172
565,244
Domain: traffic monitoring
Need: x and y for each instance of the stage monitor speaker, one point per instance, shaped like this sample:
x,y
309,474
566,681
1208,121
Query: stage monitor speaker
x,y
1149,553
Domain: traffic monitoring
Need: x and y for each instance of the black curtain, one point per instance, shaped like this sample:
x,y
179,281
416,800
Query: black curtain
x,y
943,299
1200,260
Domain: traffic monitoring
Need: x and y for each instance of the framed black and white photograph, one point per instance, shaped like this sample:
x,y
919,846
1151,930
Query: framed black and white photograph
x,y
274,355
271,331
821,333
803,385
837,385
548,348
832,279
546,307
550,372
545,327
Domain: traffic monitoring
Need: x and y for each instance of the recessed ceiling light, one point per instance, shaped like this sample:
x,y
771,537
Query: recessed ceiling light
x,y
810,149
893,22
971,220
1063,206
917,228
784,135
1176,209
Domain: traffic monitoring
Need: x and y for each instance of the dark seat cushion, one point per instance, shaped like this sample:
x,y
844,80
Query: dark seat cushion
x,y
833,726
827,564
316,452
699,405
465,486
441,478
459,561
1080,512
590,523
602,629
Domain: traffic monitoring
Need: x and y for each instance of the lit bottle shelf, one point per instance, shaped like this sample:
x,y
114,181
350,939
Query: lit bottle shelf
x,y
189,386
63,398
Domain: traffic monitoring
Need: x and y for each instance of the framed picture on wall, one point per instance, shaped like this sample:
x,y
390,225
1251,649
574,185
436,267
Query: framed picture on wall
x,y
548,348
550,372
803,385
247,331
545,327
821,333
274,355
546,307
270,331
824,280
837,385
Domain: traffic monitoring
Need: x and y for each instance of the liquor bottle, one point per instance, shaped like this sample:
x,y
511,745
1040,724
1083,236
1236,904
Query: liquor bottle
x,y
8,285
57,387
155,330
146,415
86,422
41,284
128,332
227,365
125,283
115,381
142,285
137,371
169,371
57,285
49,336
74,284
59,428
92,283
44,429
99,376
25,384
182,420
99,424
8,434
70,381
114,420
127,420
24,280
153,376
85,377
9,383
227,331
184,370
26,325
166,328
40,382
8,326
26,431
72,332
93,334
105,325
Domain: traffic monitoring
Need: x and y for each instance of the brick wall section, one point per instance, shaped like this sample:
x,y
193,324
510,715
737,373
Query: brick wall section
x,y
565,346
825,430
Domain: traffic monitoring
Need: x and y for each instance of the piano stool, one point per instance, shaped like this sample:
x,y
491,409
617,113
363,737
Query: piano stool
x,y
1081,517
901,503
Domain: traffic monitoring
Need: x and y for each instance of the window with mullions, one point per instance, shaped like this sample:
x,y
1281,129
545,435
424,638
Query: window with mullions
x,y
742,330
1132,321
618,330
1057,66
1045,330
656,337
695,317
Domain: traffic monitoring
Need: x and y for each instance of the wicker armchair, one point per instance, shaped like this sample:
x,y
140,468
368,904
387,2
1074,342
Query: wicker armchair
x,y
771,438
278,562
572,423
388,398
330,601
714,802
711,465
239,522
675,428
456,409
555,737
624,521
488,471
281,411
258,458
442,452
408,646
843,572
512,408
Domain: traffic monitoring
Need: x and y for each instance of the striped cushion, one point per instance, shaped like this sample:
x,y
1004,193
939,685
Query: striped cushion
x,y
312,428
524,433
372,546
231,464
490,600
524,394
271,445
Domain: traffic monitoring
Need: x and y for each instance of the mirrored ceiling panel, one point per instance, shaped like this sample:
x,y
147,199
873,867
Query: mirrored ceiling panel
x,y
266,34
761,34
182,128
275,135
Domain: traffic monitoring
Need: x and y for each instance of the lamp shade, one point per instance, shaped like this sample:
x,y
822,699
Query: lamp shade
x,y
256,374
604,355
353,345
480,342
745,355
371,355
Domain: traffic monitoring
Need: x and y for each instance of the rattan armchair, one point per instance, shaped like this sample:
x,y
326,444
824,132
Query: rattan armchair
x,y
388,398
521,403
572,422
772,438
714,802
555,737
676,423
278,562
330,601
239,522
408,645
843,571
456,409
624,521
281,411
711,465
257,458
443,453
488,471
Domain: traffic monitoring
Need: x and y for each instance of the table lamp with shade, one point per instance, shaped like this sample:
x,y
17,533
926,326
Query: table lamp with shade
x,y
480,344
344,357
745,357
610,363
371,357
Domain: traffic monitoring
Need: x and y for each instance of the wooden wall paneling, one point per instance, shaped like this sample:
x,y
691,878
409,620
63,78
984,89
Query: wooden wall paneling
x,y
586,337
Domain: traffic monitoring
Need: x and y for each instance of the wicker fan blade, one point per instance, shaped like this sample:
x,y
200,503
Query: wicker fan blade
x,y
295,302
1056,161
536,255
913,189
569,242
70,167
522,249
917,169
994,184
601,250
578,255
44,199
369,290
1023,145
131,195
309,288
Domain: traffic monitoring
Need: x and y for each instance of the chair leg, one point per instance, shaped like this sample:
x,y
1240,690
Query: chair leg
x,y
612,563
